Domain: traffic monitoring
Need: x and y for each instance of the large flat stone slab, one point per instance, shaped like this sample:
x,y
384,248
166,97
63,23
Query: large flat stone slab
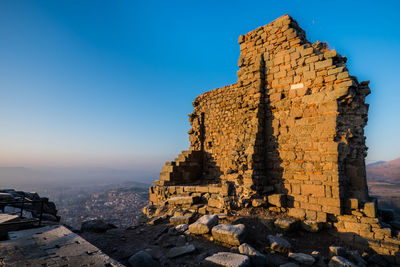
x,y
229,234
181,250
227,259
51,246
4,217
203,225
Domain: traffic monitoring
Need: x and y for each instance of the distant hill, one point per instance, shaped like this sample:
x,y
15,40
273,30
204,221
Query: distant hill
x,y
388,172
375,163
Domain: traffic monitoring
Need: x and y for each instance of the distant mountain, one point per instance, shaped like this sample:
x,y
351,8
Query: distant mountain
x,y
385,172
375,163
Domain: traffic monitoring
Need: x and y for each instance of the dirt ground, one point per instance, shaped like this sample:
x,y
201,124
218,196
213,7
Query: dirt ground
x,y
120,244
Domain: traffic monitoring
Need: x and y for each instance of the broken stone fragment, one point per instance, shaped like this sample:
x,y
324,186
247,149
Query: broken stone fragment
x,y
181,228
181,250
229,234
256,257
338,261
286,224
257,202
142,259
302,258
337,251
203,225
186,219
227,259
279,244
355,257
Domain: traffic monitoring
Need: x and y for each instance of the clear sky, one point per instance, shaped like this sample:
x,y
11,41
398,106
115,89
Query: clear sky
x,y
110,83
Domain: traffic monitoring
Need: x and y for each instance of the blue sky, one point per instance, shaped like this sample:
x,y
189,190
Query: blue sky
x,y
110,83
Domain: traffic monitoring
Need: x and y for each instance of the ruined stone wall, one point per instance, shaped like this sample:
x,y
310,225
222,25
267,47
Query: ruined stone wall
x,y
294,121
289,134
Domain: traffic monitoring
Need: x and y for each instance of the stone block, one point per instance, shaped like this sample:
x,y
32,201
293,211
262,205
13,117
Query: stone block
x,y
323,64
278,200
227,259
204,224
180,251
257,258
189,200
297,213
229,234
338,261
176,220
302,258
370,209
313,190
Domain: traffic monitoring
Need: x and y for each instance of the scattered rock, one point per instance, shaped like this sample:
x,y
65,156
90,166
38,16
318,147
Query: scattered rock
x,y
176,220
337,251
229,234
256,257
158,220
257,202
142,259
179,251
338,261
302,258
355,257
227,259
203,225
181,228
97,226
155,252
279,244
316,255
311,226
286,224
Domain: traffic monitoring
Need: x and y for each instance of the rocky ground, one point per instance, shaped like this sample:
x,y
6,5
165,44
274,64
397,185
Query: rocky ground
x,y
170,242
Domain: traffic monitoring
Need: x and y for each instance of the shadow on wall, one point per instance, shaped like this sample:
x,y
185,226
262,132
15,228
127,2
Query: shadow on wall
x,y
211,172
268,170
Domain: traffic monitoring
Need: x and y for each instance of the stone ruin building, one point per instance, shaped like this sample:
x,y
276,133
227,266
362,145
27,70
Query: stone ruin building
x,y
288,136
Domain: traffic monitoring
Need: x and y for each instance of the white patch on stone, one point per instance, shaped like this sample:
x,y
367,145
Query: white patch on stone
x,y
297,86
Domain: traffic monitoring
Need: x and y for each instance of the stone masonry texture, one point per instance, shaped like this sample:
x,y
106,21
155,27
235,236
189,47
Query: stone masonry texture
x,y
291,126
